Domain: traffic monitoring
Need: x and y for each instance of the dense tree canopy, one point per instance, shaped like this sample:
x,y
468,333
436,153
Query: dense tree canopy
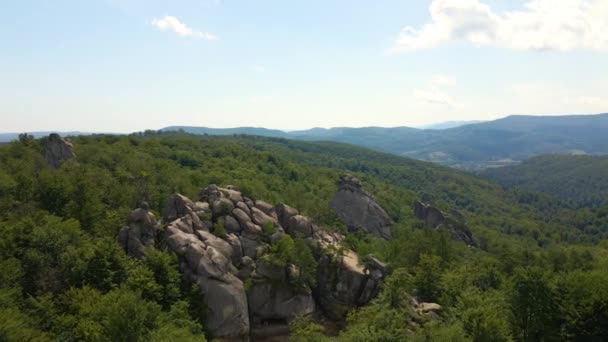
x,y
539,273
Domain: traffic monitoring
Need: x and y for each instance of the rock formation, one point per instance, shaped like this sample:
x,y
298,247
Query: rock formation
x,y
140,232
437,219
224,243
58,150
359,210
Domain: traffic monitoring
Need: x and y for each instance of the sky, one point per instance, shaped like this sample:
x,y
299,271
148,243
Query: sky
x,y
130,65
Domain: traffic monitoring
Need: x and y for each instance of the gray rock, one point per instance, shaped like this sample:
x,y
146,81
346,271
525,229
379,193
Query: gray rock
x,y
219,244
284,213
210,194
179,206
300,225
140,232
270,302
222,207
241,216
359,209
266,208
227,308
437,219
244,207
58,150
230,224
266,268
261,218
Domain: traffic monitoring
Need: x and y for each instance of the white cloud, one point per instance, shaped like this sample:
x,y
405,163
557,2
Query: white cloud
x,y
434,94
540,25
170,23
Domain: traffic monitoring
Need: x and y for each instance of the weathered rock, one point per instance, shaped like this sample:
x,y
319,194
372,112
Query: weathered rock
x,y
233,195
202,207
277,292
241,216
230,224
266,208
284,213
250,246
219,244
210,194
343,282
244,207
58,150
272,303
437,219
266,268
140,232
261,218
237,249
181,207
300,225
221,207
359,209
224,294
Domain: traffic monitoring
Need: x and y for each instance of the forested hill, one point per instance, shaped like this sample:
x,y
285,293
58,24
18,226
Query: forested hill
x,y
64,277
579,180
472,146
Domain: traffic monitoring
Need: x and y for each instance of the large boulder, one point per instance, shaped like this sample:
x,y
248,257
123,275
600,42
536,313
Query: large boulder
x,y
300,225
277,302
140,233
220,263
344,283
359,210
224,294
453,222
181,207
58,150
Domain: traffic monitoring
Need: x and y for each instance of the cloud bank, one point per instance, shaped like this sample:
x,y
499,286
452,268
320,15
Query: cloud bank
x,y
172,24
540,25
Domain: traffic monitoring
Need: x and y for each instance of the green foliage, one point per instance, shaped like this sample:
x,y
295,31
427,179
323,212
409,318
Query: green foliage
x,y
296,252
427,280
539,273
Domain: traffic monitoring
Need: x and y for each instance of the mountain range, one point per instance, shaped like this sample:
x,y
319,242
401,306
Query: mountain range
x,y
474,146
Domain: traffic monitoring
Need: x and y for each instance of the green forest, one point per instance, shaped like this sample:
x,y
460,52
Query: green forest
x,y
540,272
578,180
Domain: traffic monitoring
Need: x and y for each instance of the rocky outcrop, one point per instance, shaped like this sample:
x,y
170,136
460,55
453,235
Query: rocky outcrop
x,y
224,243
58,150
140,233
359,210
453,222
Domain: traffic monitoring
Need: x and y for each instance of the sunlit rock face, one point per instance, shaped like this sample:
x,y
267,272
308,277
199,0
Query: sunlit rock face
x,y
358,209
224,242
58,150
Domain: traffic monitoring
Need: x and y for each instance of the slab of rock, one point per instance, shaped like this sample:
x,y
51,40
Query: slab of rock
x,y
437,219
58,150
140,233
359,209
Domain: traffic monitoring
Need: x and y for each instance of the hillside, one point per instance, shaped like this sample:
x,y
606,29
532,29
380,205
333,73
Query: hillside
x,y
472,146
578,180
64,276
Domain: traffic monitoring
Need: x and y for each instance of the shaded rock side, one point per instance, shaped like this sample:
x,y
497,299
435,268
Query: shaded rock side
x,y
140,233
359,210
437,219
58,150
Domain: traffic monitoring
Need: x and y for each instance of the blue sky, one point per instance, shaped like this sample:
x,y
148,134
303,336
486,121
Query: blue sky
x,y
127,65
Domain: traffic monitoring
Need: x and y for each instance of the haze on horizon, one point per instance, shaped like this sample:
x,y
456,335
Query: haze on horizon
x,y
130,65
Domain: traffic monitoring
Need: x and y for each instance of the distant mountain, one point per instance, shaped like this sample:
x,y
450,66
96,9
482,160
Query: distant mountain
x,y
450,124
579,180
264,132
6,137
